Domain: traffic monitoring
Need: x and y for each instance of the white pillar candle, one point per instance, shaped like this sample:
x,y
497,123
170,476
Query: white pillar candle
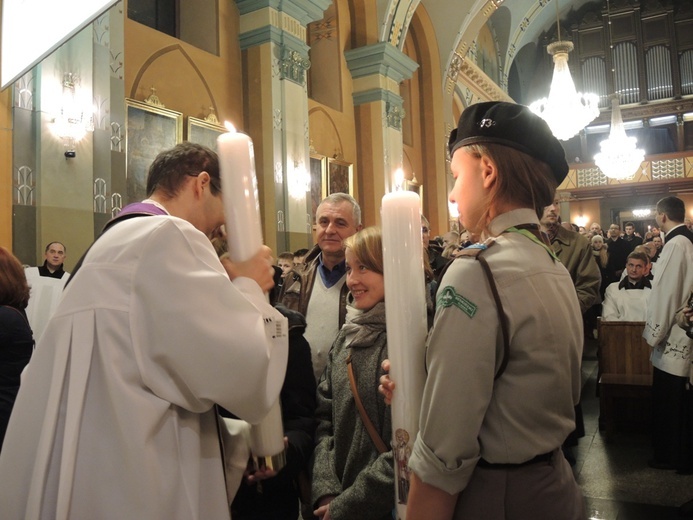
x,y
405,315
244,236
239,190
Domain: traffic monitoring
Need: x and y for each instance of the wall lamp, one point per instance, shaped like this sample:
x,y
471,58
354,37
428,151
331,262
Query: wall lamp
x,y
76,115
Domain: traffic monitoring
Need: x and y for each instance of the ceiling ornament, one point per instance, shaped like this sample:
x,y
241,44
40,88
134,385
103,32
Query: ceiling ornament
x,y
620,158
566,110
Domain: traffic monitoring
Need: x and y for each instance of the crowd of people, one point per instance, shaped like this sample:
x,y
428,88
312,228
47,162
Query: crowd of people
x,y
147,370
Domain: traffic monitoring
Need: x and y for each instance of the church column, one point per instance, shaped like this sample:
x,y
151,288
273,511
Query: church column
x,y
275,61
377,71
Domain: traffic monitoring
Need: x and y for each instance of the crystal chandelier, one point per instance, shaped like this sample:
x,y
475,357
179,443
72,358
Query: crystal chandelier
x,y
619,158
566,110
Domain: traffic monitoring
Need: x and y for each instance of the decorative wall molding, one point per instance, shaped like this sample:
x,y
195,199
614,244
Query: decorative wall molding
x,y
471,76
100,196
294,65
380,58
24,186
394,115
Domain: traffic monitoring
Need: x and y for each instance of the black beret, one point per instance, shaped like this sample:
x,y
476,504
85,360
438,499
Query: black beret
x,y
510,125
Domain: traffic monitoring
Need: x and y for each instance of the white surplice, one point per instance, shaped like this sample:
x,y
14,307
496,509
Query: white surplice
x,y
115,418
45,296
671,286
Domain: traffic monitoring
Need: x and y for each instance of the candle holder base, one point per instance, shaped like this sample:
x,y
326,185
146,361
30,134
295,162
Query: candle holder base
x,y
273,462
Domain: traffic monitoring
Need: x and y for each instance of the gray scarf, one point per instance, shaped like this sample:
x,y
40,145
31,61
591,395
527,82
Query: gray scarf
x,y
367,326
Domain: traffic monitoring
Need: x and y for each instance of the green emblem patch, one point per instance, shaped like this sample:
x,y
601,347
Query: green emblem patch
x,y
449,297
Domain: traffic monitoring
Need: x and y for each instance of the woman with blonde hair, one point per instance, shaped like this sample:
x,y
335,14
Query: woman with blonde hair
x,y
353,474
16,341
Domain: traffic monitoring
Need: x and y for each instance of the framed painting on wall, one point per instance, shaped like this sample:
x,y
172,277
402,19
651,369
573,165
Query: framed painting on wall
x,y
338,178
203,132
318,172
414,186
150,130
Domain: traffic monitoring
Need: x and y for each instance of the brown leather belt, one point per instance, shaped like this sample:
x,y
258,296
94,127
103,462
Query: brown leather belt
x,y
544,457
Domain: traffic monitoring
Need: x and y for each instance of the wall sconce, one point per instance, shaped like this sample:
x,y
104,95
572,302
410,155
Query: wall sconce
x,y
298,182
73,122
581,221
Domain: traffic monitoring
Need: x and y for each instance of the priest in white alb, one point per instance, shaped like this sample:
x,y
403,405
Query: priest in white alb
x,y
115,418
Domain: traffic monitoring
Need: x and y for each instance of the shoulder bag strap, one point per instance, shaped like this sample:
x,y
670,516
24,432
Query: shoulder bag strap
x,y
475,252
375,437
502,317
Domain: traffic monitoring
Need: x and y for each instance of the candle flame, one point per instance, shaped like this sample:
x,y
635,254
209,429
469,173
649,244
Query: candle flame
x,y
399,179
229,127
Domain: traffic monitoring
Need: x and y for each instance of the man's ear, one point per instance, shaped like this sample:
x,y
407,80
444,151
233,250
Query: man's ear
x,y
489,172
202,182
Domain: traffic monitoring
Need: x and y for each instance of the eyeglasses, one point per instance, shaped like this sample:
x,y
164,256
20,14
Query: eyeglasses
x,y
214,181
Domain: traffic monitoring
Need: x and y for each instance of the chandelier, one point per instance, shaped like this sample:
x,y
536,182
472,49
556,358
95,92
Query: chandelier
x,y
566,110
619,158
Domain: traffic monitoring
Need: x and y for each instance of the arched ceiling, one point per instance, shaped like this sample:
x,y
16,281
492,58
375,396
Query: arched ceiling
x,y
514,23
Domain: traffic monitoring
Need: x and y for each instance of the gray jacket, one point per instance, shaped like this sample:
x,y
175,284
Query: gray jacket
x,y
346,462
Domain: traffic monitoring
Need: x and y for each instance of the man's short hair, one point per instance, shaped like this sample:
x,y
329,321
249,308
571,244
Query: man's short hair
x,y
286,255
628,224
637,255
170,168
338,198
673,208
301,252
55,242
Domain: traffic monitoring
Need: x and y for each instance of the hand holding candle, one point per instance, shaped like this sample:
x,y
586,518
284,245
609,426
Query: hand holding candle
x,y
244,236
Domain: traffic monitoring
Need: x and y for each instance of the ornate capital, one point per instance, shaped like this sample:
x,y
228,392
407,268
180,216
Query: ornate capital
x,y
394,115
293,65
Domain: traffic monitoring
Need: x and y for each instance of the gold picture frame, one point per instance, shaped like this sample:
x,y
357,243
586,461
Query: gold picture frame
x,y
414,186
338,178
318,173
150,129
203,132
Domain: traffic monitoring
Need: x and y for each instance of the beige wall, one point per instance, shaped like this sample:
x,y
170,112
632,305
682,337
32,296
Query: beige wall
x,y
187,79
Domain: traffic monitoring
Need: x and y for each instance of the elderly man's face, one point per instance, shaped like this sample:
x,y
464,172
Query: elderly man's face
x,y
335,223
55,256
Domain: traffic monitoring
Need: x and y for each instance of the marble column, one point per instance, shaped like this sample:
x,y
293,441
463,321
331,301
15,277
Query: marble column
x,y
275,61
377,71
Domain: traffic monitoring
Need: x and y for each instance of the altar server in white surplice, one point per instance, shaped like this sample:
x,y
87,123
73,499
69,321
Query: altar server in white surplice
x,y
46,282
115,418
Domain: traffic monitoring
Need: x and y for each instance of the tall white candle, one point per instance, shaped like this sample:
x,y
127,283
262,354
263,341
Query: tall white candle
x,y
244,236
239,190
405,308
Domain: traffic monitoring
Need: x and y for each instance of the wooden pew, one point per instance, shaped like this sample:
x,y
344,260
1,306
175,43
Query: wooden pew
x,y
624,366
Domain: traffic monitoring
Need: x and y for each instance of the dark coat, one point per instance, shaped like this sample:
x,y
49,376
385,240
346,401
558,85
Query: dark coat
x,y
16,347
277,498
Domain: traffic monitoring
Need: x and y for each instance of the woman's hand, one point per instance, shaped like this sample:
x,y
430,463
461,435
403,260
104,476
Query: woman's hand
x,y
323,510
387,385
